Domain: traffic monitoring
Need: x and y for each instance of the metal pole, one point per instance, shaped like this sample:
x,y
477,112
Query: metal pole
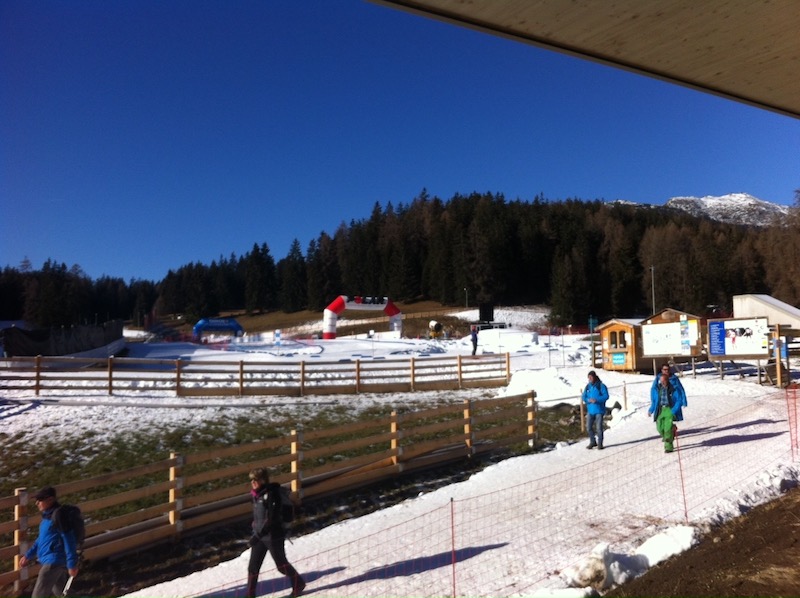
x,y
653,286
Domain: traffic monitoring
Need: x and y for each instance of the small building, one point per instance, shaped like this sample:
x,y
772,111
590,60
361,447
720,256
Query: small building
x,y
620,344
775,310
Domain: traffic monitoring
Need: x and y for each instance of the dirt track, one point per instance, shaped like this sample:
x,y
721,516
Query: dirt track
x,y
756,554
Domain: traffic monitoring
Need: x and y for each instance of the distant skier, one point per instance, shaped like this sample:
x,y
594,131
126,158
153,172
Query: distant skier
x,y
474,335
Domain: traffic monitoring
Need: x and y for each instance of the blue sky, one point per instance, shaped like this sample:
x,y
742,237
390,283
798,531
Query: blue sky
x,y
139,136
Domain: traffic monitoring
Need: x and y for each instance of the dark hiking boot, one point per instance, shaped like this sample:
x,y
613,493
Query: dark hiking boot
x,y
252,583
591,445
298,585
599,447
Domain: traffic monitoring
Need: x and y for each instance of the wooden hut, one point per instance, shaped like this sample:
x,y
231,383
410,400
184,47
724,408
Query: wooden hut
x,y
620,342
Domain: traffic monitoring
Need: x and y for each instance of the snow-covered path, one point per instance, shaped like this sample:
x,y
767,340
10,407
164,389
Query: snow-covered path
x,y
529,525
547,523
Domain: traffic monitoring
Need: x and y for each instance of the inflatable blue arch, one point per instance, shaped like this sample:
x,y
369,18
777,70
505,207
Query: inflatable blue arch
x,y
217,325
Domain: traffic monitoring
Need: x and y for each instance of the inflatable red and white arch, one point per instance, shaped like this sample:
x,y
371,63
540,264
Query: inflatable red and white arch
x,y
342,303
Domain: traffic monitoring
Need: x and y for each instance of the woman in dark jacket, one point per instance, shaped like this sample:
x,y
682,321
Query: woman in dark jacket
x,y
268,533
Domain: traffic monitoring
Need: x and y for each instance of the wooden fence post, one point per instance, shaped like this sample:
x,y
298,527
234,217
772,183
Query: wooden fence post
x,y
458,365
177,377
583,414
508,368
20,536
297,465
413,381
176,493
468,433
532,413
358,376
394,445
110,375
241,377
37,384
625,394
302,378
776,344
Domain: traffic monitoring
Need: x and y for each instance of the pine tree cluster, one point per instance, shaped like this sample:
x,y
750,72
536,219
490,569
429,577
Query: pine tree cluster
x,y
581,258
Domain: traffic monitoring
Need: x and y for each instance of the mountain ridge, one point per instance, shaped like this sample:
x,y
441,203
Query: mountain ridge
x,y
733,208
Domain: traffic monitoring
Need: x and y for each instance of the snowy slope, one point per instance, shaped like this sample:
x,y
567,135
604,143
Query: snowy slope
x,y
734,208
733,450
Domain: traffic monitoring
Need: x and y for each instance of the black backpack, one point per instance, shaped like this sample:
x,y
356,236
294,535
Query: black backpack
x,y
280,507
69,518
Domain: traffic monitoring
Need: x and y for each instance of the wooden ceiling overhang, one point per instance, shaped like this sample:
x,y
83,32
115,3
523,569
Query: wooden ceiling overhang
x,y
744,50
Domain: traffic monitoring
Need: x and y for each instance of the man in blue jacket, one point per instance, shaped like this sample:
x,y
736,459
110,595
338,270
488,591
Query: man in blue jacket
x,y
595,396
675,382
54,548
666,407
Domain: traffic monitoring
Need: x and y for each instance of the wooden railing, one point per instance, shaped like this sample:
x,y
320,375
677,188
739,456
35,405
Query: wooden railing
x,y
254,378
143,506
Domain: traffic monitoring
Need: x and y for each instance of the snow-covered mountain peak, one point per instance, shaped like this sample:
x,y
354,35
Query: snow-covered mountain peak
x,y
734,208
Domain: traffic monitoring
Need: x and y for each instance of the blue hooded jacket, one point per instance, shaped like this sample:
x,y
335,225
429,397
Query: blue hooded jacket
x,y
678,398
598,391
54,547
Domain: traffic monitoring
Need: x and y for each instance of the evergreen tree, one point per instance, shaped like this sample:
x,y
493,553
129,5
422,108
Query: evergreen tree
x,y
293,280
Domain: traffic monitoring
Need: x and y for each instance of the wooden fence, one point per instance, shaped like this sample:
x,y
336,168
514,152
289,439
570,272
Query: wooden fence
x,y
254,378
133,509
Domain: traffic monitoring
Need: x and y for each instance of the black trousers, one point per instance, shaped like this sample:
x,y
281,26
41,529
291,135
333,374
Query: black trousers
x,y
274,546
268,544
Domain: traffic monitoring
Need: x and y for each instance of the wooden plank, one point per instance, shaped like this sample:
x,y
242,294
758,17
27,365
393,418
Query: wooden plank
x,y
384,387
355,427
486,447
427,461
88,506
343,483
216,495
240,469
216,515
8,502
130,543
310,388
239,449
258,391
339,467
431,412
496,416
114,477
497,431
512,399
415,450
9,552
384,438
187,391
452,424
8,578
99,527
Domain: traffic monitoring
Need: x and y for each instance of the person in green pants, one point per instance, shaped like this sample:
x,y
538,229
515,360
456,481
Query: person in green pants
x,y
665,407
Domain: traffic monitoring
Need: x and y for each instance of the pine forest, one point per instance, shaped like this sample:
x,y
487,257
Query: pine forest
x,y
581,258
